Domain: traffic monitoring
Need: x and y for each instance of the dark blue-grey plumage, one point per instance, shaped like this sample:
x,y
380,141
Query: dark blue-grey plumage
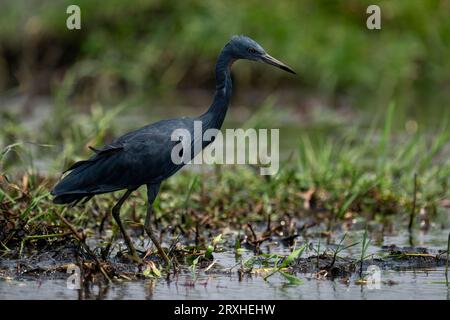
x,y
137,158
143,156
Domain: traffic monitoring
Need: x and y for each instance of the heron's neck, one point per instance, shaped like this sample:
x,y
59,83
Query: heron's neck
x,y
213,118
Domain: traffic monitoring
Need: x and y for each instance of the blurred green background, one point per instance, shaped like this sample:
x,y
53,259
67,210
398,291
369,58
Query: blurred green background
x,y
152,47
134,62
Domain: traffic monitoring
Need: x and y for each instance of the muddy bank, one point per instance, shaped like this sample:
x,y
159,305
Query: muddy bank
x,y
53,260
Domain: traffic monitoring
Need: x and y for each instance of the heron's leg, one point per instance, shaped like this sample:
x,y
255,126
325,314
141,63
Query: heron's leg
x,y
152,191
116,215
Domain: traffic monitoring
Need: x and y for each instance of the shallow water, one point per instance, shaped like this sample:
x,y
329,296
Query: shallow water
x,y
423,283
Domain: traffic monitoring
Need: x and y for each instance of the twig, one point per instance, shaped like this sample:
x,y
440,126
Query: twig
x,y
256,241
255,238
80,238
211,265
269,220
197,234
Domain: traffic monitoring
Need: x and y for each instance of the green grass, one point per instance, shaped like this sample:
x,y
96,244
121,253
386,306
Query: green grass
x,y
359,173
353,171
348,176
364,246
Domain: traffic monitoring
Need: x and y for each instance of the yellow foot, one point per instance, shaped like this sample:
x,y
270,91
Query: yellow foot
x,y
134,257
162,254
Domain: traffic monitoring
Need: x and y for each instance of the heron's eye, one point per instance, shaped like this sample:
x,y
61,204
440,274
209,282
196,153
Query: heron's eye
x,y
252,50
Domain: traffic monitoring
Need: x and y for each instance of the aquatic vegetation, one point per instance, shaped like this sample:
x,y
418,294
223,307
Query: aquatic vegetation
x,y
365,145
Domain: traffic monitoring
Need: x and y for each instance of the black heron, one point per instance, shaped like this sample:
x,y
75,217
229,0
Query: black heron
x,y
143,156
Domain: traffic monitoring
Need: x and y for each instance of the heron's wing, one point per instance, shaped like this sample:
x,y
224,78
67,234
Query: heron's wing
x,y
106,150
139,157
143,159
109,148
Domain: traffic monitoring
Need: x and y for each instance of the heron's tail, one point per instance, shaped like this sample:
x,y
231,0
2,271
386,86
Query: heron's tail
x,y
89,177
68,198
73,187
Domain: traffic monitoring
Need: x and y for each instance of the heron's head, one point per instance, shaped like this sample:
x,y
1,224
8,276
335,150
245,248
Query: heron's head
x,y
245,48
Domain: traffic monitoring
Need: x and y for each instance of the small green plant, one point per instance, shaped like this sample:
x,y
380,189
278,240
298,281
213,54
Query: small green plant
x,y
193,267
212,247
151,270
365,245
339,248
238,250
295,254
318,254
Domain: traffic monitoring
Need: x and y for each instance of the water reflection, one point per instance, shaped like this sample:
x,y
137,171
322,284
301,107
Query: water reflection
x,y
425,283
409,285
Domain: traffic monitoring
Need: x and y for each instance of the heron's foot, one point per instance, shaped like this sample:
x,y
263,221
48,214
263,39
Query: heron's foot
x,y
163,255
175,265
134,257
155,241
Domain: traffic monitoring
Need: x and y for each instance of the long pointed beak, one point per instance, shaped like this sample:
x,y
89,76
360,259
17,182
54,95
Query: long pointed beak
x,y
277,63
